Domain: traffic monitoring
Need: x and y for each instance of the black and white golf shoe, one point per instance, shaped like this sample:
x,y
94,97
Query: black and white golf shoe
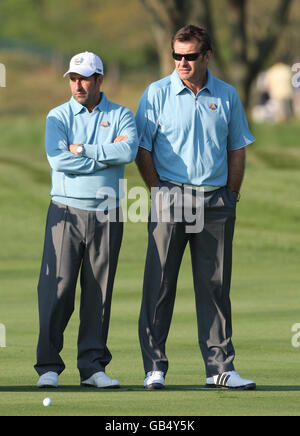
x,y
230,380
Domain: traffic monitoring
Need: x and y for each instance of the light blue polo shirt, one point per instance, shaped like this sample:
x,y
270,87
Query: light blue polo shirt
x,y
189,135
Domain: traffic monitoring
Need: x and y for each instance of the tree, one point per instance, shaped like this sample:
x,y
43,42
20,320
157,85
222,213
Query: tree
x,y
246,56
57,29
167,16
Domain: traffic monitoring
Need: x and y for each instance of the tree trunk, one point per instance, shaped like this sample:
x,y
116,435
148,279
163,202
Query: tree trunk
x,y
238,72
167,17
163,41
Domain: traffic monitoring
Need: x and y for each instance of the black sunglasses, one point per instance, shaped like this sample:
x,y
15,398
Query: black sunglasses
x,y
187,57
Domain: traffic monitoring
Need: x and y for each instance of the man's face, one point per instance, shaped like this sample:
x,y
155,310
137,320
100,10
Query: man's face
x,y
85,90
191,71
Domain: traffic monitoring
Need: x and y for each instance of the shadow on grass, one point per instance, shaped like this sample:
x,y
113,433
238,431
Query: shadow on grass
x,y
138,388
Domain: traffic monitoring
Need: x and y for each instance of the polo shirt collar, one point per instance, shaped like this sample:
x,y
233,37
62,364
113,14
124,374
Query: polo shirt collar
x,y
177,83
102,106
179,86
77,107
209,85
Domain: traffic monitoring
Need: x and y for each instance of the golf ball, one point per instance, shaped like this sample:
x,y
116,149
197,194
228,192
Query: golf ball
x,y
47,402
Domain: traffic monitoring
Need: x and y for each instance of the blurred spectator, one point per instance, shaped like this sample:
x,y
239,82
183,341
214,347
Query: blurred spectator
x,y
263,110
296,103
278,82
296,86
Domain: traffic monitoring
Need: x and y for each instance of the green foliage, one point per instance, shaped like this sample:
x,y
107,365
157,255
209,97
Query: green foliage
x,y
117,30
121,30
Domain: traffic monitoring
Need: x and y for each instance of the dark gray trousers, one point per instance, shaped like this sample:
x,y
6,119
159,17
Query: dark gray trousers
x,y
75,241
211,255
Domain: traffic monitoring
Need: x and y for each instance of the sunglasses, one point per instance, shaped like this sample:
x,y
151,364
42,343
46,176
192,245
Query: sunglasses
x,y
187,57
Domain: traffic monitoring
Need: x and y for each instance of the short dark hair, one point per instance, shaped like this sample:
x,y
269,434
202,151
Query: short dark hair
x,y
187,33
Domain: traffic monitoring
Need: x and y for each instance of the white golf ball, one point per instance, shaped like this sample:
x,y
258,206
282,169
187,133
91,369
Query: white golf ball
x,y
47,402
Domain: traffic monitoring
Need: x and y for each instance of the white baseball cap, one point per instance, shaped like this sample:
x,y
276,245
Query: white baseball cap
x,y
86,64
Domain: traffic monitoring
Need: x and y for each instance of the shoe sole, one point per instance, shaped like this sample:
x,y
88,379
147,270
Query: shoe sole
x,y
84,385
250,387
47,387
154,386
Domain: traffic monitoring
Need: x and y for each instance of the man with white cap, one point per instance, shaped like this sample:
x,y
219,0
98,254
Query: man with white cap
x,y
88,142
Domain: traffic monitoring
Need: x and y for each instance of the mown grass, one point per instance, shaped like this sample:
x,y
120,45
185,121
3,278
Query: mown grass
x,y
265,293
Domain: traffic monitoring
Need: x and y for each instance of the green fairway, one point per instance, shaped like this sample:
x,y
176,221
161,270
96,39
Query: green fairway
x,y
265,294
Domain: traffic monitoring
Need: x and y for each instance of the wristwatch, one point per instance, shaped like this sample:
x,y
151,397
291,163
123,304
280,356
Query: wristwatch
x,y
80,149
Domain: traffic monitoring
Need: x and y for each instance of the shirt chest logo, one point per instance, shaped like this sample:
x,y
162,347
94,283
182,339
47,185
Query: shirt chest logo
x,y
213,107
105,124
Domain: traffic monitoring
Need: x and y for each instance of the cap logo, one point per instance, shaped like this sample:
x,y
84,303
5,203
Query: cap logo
x,y
86,64
78,61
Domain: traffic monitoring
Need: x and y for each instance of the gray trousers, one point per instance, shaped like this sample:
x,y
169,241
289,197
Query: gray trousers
x,y
76,242
211,255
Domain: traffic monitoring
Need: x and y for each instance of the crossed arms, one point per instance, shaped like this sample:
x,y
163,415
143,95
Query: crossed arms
x,y
63,158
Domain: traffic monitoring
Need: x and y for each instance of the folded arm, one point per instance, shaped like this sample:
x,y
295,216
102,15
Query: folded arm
x,y
59,155
124,148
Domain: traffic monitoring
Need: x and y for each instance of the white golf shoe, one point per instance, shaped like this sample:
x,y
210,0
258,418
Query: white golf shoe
x,y
48,380
101,380
230,380
154,380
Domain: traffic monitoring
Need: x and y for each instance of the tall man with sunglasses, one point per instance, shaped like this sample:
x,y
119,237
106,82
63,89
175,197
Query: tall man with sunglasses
x,y
192,134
